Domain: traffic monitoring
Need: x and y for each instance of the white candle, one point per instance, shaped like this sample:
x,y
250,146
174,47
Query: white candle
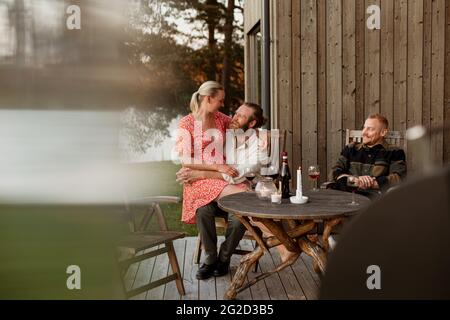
x,y
276,198
299,182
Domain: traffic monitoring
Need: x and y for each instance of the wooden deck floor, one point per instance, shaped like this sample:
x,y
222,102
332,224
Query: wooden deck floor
x,y
298,282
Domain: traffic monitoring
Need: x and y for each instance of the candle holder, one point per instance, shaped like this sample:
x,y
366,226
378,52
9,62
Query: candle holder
x,y
276,198
299,198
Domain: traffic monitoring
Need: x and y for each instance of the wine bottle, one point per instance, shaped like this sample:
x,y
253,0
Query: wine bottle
x,y
285,177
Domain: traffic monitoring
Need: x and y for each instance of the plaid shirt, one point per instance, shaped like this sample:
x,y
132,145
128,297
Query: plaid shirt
x,y
386,163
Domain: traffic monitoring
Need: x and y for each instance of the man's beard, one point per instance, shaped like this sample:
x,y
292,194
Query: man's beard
x,y
236,127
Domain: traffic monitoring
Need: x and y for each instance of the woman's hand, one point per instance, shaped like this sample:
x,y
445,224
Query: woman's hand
x,y
224,168
188,176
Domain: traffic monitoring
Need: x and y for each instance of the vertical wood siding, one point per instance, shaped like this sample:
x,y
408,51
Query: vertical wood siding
x,y
322,84
285,63
372,66
415,68
332,72
297,85
309,82
446,142
334,80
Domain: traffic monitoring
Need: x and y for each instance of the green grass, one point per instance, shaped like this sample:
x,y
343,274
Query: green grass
x,y
39,242
158,179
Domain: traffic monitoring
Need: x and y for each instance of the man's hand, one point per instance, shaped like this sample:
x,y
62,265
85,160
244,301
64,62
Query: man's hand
x,y
224,168
366,182
186,175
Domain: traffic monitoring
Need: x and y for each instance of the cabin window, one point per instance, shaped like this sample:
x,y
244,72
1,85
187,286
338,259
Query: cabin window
x,y
255,62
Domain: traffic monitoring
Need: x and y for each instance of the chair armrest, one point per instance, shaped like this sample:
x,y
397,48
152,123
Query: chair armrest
x,y
153,204
327,185
157,199
390,189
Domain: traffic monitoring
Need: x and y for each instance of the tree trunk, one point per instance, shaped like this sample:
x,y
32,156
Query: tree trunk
x,y
19,10
212,9
228,51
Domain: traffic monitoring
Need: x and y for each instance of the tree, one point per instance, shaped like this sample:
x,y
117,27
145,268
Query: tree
x,y
225,57
228,46
173,61
18,16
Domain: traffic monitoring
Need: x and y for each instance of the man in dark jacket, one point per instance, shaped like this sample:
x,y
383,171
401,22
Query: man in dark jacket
x,y
373,165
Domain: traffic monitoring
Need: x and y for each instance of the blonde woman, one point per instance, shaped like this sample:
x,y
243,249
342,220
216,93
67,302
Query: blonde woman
x,y
198,197
205,105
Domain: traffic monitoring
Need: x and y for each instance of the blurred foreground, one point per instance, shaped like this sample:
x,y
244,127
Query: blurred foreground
x,y
65,80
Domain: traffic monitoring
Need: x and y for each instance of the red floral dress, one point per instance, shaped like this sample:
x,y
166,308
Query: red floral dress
x,y
202,192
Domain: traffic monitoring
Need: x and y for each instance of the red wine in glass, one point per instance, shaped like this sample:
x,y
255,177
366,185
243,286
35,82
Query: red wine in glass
x,y
314,176
249,175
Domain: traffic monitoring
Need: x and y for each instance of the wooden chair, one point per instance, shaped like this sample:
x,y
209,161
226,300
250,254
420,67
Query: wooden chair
x,y
131,248
393,137
277,143
276,146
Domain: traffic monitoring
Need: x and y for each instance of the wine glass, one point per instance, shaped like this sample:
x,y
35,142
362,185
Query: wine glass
x,y
314,175
353,186
250,175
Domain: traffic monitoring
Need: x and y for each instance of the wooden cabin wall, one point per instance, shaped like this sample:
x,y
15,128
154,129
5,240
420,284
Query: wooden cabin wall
x,y
329,72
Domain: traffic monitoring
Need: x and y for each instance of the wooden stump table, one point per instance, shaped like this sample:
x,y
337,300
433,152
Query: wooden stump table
x,y
329,206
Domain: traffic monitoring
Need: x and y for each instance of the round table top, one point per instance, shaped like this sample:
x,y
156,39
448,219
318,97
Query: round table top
x,y
322,204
